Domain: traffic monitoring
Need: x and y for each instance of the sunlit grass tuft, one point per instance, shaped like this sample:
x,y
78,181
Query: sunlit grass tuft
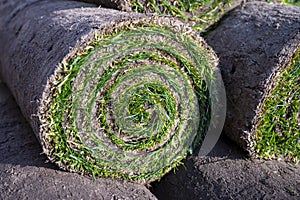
x,y
202,12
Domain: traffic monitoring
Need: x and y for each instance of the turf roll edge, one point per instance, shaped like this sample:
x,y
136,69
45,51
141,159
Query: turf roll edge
x,y
199,13
258,45
107,93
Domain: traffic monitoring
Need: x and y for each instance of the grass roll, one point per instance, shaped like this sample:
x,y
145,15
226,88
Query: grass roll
x,y
258,45
107,93
201,13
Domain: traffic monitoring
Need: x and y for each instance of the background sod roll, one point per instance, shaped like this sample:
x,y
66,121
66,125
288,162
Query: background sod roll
x,y
107,93
258,45
201,12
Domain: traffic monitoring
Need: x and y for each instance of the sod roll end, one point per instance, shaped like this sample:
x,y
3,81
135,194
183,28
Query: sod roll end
x,y
258,45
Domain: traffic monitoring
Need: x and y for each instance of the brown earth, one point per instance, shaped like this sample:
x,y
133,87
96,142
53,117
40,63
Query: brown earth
x,y
226,173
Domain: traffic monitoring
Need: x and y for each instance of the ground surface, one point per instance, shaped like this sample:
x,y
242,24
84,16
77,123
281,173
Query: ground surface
x,y
224,174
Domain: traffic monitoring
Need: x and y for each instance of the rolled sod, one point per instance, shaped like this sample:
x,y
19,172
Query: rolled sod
x,y
258,45
107,93
201,13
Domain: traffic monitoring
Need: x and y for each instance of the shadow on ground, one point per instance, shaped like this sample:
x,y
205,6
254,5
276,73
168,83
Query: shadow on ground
x,y
226,173
18,145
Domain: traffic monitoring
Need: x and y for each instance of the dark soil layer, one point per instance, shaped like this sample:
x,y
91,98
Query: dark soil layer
x,y
254,43
26,174
115,4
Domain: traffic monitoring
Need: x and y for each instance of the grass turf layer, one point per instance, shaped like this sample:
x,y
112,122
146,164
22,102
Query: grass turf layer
x,y
131,105
202,12
289,2
278,131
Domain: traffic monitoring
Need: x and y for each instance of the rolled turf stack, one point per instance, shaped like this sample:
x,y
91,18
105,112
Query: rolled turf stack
x,y
258,45
199,13
107,93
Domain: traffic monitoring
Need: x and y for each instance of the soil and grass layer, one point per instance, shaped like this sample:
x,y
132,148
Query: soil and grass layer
x,y
258,45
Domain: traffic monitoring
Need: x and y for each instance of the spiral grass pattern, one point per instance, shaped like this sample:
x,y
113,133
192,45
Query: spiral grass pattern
x,y
132,103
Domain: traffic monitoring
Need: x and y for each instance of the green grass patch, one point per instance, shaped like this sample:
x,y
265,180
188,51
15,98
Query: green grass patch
x,y
131,92
202,12
278,132
290,2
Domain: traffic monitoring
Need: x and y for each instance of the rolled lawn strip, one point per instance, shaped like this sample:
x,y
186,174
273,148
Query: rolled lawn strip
x,y
258,45
107,93
201,13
